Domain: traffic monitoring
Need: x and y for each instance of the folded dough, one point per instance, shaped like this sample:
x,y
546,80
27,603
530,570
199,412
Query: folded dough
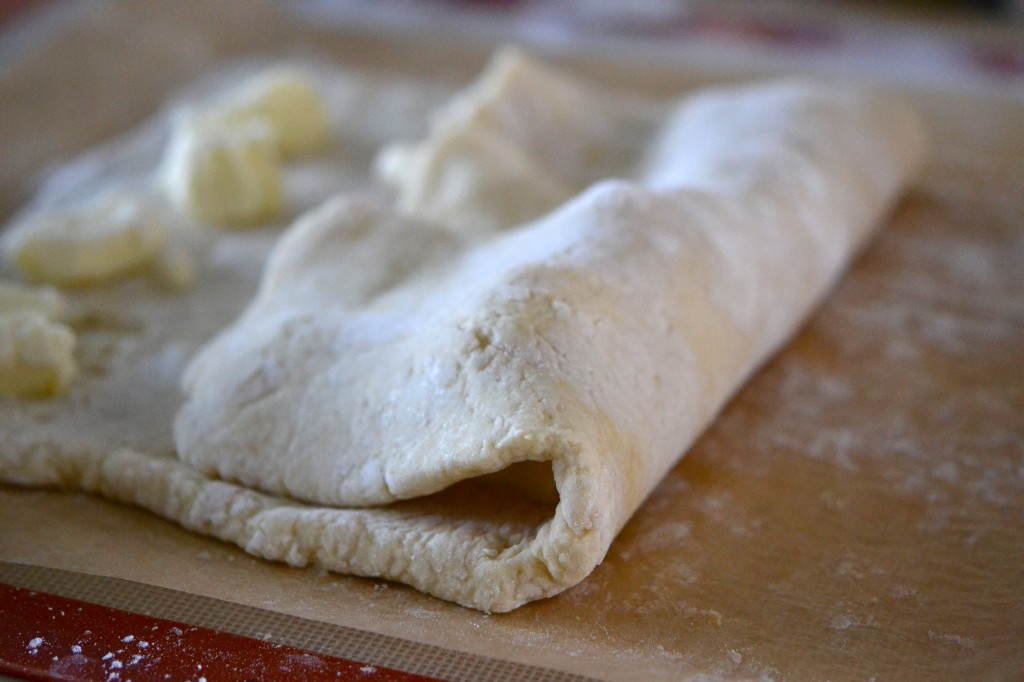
x,y
519,142
477,413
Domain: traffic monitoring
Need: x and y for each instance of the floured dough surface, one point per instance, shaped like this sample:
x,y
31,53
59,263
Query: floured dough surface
x,y
134,334
476,412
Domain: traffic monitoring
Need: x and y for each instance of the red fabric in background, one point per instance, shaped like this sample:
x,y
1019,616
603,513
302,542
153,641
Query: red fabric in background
x,y
11,9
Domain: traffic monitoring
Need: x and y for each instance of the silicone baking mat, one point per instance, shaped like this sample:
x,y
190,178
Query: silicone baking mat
x,y
149,632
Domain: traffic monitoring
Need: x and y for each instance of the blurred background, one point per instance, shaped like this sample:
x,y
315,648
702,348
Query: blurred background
x,y
944,43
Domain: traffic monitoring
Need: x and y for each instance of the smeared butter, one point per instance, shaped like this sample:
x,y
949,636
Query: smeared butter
x,y
107,239
36,355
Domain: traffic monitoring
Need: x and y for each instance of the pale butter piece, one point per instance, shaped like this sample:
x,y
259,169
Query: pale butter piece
x,y
175,269
112,237
289,102
36,355
223,173
19,298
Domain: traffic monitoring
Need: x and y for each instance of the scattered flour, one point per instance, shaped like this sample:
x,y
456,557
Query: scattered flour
x,y
955,640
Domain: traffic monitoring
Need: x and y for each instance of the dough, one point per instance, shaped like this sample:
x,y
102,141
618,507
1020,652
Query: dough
x,y
388,359
521,141
477,413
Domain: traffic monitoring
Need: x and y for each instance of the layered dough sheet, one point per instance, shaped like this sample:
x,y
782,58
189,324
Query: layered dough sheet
x,y
464,392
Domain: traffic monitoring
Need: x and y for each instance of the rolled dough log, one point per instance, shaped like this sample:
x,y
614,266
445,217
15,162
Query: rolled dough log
x,y
478,414
472,408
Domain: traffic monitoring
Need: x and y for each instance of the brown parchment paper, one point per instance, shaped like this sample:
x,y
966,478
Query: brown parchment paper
x,y
857,512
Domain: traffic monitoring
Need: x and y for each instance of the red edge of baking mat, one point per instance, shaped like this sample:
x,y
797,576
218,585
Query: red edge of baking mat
x,y
275,645
47,637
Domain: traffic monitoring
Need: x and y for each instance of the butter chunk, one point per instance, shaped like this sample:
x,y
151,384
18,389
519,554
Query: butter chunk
x,y
36,356
223,173
110,238
175,269
19,298
289,102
